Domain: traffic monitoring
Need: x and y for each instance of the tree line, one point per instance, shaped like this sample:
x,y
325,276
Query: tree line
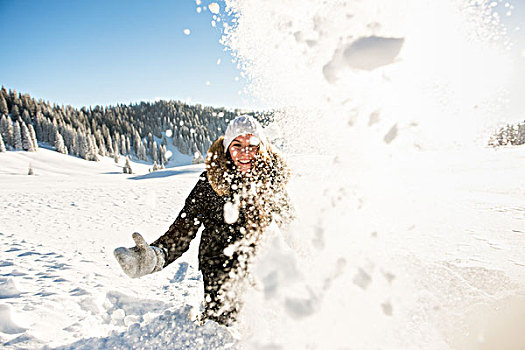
x,y
139,131
509,135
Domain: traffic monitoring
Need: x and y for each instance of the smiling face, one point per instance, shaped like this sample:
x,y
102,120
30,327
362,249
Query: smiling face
x,y
243,151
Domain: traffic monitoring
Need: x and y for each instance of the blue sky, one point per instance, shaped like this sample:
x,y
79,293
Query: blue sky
x,y
88,52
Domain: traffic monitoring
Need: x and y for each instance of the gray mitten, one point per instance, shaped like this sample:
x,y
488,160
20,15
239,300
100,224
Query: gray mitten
x,y
140,260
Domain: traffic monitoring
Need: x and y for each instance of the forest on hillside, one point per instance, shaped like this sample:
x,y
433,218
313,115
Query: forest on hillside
x,y
511,134
137,131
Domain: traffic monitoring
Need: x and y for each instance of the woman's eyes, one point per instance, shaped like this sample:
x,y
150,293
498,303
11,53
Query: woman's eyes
x,y
249,148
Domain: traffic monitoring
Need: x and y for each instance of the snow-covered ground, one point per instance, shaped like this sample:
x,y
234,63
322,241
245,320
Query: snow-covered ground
x,y
463,254
59,282
410,231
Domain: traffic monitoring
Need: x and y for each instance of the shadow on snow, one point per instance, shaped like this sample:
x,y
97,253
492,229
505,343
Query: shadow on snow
x,y
165,173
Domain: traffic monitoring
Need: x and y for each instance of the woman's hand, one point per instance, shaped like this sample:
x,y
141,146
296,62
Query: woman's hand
x,y
140,260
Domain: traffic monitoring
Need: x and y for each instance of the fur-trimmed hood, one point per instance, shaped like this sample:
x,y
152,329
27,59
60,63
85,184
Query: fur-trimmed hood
x,y
269,167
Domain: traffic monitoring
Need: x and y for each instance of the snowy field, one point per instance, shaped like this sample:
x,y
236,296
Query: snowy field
x,y
61,287
59,281
410,232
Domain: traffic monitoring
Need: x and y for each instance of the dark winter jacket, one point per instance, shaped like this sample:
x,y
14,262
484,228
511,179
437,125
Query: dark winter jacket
x,y
258,199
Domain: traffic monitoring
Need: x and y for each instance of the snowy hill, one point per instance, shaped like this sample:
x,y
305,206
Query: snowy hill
x,y
57,233
61,287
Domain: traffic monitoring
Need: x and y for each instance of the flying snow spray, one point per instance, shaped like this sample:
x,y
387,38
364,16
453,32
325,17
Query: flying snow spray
x,y
376,101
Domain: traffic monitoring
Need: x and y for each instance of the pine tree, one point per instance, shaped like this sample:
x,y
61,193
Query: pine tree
x,y
27,142
128,145
127,167
194,148
39,121
115,146
123,145
183,146
3,105
102,150
4,93
82,146
91,147
176,140
136,143
109,142
51,127
26,118
163,156
197,158
59,143
6,130
17,137
142,154
68,134
33,136
15,112
2,145
154,152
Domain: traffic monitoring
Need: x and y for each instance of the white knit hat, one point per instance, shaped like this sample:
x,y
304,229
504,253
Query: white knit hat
x,y
242,125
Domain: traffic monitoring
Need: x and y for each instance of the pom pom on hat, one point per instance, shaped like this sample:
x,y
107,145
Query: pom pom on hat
x,y
243,125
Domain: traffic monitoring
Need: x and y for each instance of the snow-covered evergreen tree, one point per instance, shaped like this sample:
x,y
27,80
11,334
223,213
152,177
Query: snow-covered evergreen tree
x,y
136,143
154,152
69,136
142,153
109,142
32,134
6,130
127,167
2,145
183,147
3,105
197,158
115,147
51,127
43,129
26,118
82,146
162,155
194,148
128,145
27,142
39,121
15,112
59,143
122,145
92,148
17,137
176,140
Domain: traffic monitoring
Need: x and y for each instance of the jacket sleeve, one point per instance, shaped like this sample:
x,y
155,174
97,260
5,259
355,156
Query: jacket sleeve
x,y
177,239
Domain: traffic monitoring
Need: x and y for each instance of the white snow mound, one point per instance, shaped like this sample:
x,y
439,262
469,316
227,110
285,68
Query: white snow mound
x,y
7,325
8,288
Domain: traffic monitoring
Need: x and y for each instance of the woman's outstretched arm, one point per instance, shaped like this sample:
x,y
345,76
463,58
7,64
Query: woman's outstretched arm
x,y
177,239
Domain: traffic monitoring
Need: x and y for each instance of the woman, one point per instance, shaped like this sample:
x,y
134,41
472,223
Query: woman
x,y
235,199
